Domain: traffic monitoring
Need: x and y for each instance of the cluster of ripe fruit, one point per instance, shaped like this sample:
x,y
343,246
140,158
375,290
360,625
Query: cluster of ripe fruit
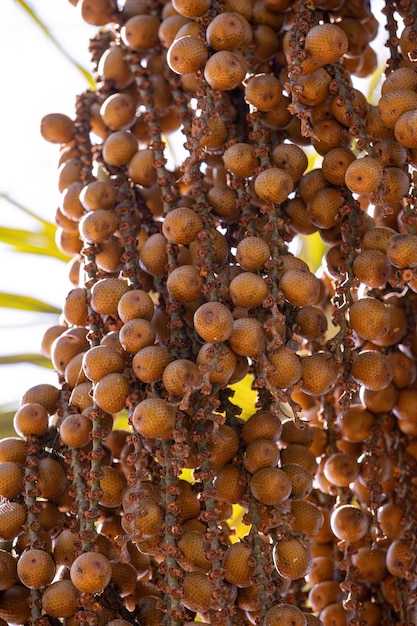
x,y
301,511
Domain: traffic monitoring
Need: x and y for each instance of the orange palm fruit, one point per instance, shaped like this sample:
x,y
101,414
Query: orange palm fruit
x,y
90,572
292,558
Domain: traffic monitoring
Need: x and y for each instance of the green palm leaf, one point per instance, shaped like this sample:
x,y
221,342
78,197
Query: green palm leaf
x,y
26,303
29,10
33,359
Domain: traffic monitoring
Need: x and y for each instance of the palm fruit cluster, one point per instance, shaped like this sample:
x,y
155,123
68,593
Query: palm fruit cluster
x,y
141,489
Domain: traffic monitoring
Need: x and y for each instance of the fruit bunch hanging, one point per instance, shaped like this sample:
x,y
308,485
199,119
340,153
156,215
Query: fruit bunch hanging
x,y
232,438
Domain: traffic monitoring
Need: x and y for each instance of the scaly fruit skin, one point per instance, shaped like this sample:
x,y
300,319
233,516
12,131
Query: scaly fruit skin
x,y
234,413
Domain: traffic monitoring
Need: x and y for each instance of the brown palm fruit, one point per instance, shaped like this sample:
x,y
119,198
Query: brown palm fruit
x,y
287,367
180,376
153,255
369,318
356,423
301,433
52,479
292,558
260,453
187,55
14,605
229,484
114,67
334,614
106,293
403,409
252,253
68,173
135,303
371,563
213,321
136,334
279,116
266,42
11,479
8,570
98,12
301,455
49,336
285,615
197,591
377,238
187,501
391,519
270,485
314,87
311,322
12,517
291,158
301,480
382,401
66,346
395,184
30,419
228,31
274,185
341,469
310,183
66,545
326,42
35,568
222,369
57,128
213,240
110,392
154,417
306,517
193,547
98,194
323,568
349,523
323,594
73,372
119,147
247,338
118,111
238,568
222,199
123,577
405,369
372,369
225,70
262,425
364,175
169,28
402,78
150,362
329,134
240,159
108,256
141,168
140,32
402,250
112,484
184,283
397,327
396,102
301,287
404,129
99,361
324,206
300,223
390,153
263,91
191,8
90,572
371,268
45,394
248,290
12,449
96,226
60,599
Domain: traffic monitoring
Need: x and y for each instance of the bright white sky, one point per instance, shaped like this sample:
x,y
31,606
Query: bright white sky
x,y
36,79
